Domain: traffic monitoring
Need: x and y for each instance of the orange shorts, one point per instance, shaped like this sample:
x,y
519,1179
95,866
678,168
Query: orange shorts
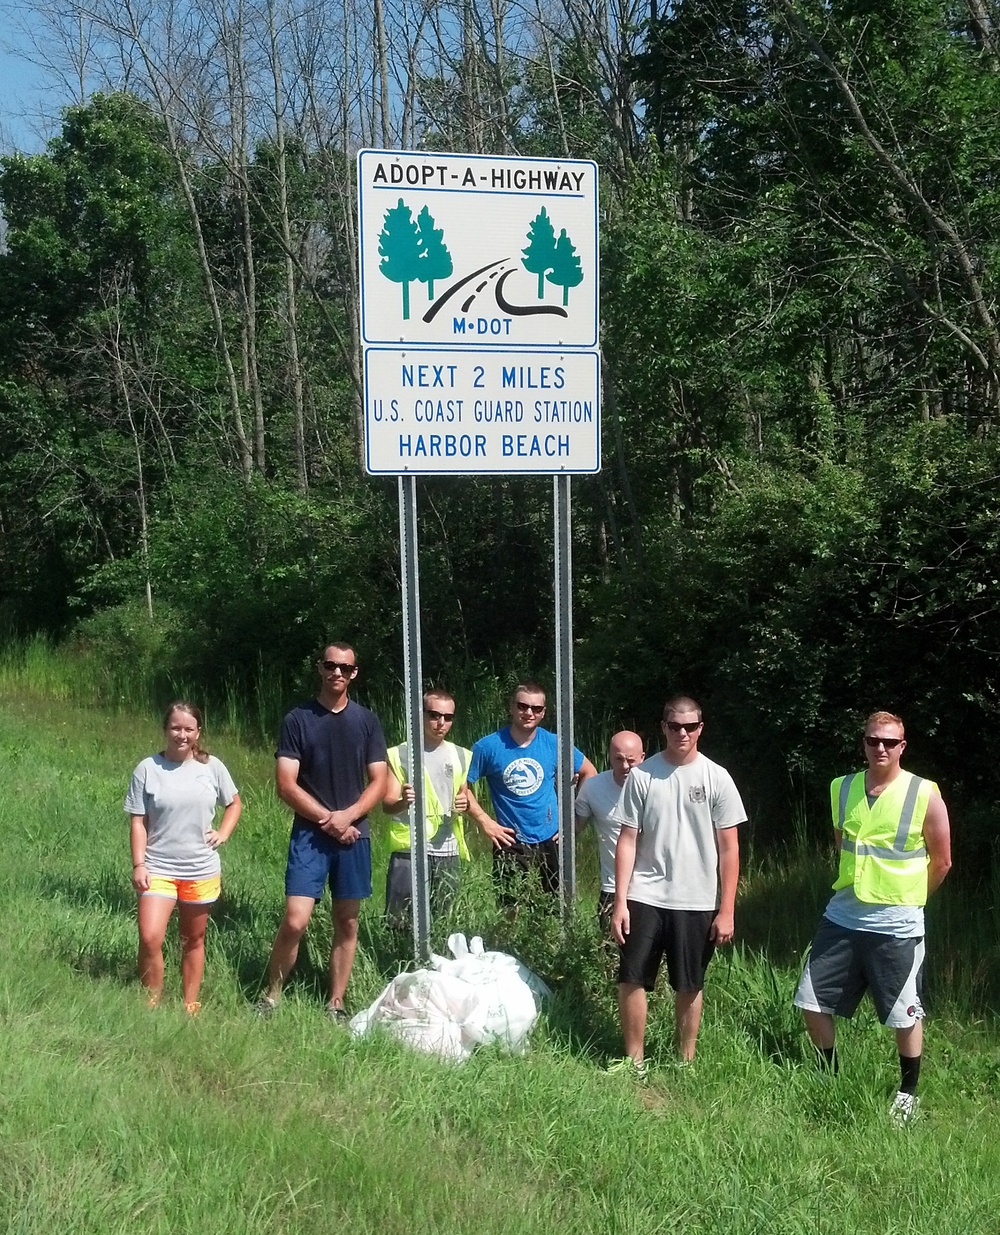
x,y
187,891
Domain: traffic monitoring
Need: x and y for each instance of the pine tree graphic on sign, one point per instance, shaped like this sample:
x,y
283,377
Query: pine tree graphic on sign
x,y
400,249
435,260
539,256
566,270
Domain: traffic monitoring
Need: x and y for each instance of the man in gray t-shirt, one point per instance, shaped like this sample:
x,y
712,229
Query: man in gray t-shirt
x,y
596,802
677,865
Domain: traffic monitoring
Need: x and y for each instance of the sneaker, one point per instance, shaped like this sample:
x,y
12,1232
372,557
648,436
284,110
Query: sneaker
x,y
904,1109
265,1007
337,1015
193,1008
628,1068
153,1000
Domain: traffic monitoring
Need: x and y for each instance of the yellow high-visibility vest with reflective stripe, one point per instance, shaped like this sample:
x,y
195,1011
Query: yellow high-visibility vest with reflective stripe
x,y
399,829
882,851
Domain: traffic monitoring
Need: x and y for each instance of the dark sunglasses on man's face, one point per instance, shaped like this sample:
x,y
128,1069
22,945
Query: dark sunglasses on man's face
x,y
345,669
432,715
536,708
888,743
689,726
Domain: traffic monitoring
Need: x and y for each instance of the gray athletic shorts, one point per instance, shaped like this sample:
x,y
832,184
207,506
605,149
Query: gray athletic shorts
x,y
843,964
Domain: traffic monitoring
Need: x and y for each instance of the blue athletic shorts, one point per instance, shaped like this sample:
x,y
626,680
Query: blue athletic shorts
x,y
315,859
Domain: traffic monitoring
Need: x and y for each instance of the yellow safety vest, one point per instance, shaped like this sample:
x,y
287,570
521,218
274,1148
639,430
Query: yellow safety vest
x,y
399,829
882,851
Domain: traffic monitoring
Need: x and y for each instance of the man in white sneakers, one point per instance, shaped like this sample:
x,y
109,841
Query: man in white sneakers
x,y
677,865
445,802
892,832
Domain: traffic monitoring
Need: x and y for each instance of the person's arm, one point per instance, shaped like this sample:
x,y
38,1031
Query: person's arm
x,y
286,776
729,877
398,797
499,836
624,865
340,823
937,838
227,825
587,770
138,835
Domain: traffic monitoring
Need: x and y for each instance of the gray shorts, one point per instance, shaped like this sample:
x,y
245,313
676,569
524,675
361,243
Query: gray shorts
x,y
443,871
843,964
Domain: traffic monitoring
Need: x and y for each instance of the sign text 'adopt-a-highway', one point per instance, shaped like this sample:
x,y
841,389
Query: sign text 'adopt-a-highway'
x,y
479,313
477,250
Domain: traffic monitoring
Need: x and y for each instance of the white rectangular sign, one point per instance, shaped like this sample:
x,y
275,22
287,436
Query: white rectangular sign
x,y
462,411
463,250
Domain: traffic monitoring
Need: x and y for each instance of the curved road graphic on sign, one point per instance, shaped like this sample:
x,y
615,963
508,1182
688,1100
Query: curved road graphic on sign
x,y
523,310
514,310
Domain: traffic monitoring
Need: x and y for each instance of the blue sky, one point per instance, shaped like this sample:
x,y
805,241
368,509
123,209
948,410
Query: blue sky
x,y
26,92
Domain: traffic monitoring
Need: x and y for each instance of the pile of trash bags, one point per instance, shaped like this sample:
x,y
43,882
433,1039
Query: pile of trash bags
x,y
448,1010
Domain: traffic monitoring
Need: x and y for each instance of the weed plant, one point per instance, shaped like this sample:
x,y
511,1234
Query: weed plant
x,y
114,1118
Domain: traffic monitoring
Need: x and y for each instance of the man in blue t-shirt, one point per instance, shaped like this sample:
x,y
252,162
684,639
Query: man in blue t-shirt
x,y
331,771
519,764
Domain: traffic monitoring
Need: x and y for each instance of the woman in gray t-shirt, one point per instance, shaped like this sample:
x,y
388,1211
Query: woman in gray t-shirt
x,y
172,801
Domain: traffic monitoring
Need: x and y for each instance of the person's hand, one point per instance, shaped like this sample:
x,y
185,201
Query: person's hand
x,y
338,824
501,837
723,928
409,795
214,838
140,878
620,924
461,804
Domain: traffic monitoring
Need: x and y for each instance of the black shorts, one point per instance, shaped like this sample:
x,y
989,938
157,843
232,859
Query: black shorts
x,y
511,865
605,907
682,936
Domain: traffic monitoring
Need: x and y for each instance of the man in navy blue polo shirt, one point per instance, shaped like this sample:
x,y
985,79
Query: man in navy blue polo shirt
x,y
519,764
331,770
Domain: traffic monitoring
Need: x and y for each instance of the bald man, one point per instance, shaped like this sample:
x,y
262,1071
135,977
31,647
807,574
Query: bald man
x,y
597,799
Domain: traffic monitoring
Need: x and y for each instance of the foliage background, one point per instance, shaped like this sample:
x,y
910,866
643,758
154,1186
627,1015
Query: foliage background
x,y
797,519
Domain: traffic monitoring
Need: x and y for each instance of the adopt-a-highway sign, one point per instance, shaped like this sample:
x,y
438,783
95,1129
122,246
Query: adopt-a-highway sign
x,y
466,411
476,251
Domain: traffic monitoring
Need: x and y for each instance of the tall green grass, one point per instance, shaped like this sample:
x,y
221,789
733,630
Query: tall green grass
x,y
113,1118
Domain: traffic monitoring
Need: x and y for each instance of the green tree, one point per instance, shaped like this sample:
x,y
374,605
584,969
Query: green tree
x,y
435,259
539,256
400,248
566,271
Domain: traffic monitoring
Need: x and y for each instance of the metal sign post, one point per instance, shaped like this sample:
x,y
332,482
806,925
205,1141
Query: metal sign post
x,y
561,495
479,287
413,675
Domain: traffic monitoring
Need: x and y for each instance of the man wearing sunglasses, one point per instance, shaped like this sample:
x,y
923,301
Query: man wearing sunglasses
x,y
677,864
892,832
331,770
445,801
519,764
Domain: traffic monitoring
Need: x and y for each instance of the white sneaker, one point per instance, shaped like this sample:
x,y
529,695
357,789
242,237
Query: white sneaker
x,y
904,1109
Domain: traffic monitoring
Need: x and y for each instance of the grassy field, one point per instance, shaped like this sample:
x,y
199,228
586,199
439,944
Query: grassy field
x,y
114,1118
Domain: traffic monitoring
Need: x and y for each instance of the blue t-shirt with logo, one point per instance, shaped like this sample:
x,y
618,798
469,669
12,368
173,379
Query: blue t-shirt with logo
x,y
522,781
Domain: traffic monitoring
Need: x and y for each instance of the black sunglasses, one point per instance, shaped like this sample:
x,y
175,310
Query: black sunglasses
x,y
689,726
432,715
345,669
888,743
536,708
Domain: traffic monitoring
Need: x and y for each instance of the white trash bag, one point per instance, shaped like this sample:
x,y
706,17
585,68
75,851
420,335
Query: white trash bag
x,y
471,997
